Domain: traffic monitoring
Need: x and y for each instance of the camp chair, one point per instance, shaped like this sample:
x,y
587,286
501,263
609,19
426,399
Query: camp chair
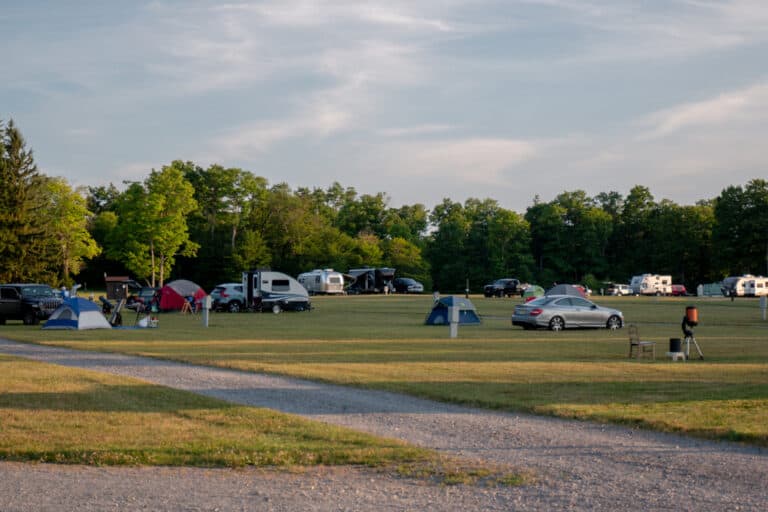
x,y
638,346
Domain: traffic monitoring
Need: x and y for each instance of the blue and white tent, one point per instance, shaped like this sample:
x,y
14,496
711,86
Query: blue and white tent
x,y
440,311
77,313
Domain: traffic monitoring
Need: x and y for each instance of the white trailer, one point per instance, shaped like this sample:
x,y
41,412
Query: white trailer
x,y
325,281
266,290
651,284
756,287
736,286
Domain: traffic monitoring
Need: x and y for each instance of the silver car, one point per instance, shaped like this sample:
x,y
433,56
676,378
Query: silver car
x,y
228,297
557,312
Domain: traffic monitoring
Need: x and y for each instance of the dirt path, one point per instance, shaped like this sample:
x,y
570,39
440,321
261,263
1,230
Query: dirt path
x,y
581,466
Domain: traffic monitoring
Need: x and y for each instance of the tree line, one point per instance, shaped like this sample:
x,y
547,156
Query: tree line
x,y
210,224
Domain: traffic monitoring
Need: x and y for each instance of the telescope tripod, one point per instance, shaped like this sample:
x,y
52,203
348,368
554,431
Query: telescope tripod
x,y
688,340
687,327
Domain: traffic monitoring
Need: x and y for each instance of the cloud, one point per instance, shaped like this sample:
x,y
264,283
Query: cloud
x,y
474,160
738,106
408,131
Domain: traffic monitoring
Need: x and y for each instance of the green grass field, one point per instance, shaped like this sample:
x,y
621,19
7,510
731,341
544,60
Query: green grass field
x,y
381,342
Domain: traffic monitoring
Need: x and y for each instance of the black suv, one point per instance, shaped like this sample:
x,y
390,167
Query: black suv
x,y
27,302
502,287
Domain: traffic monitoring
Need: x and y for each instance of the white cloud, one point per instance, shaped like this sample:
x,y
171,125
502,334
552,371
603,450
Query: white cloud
x,y
733,107
424,129
474,160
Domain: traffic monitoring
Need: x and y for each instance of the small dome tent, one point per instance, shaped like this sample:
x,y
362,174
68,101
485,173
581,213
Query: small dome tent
x,y
77,313
173,294
440,311
565,289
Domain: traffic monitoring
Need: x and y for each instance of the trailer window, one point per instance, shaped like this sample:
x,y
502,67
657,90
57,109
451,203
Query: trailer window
x,y
281,285
335,280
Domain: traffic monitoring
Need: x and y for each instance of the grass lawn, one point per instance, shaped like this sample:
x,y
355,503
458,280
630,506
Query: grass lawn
x,y
57,414
381,342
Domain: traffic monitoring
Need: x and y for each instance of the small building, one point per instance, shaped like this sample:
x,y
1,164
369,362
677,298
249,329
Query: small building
x,y
118,287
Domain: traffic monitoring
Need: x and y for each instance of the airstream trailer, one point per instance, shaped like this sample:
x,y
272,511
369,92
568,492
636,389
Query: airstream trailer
x,y
266,290
326,281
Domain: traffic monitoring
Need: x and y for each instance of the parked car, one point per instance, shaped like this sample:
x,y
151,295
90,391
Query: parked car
x,y
618,289
407,285
557,312
143,298
29,303
678,290
228,297
502,287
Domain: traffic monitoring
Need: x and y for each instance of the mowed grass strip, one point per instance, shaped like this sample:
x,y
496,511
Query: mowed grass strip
x,y
51,413
381,342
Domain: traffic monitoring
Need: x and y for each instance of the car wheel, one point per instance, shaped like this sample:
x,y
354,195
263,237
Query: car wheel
x,y
614,322
2,320
556,324
276,308
234,306
29,318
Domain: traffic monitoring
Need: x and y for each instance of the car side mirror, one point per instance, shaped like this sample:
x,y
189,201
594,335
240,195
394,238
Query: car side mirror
x,y
594,306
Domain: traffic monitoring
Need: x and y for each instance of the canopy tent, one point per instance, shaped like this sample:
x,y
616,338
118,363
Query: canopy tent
x,y
173,295
440,311
77,313
532,292
565,289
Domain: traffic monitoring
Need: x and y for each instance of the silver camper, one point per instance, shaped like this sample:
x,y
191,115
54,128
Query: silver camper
x,y
266,290
326,281
651,284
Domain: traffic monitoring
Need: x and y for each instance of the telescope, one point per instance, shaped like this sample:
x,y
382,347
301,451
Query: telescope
x,y
690,320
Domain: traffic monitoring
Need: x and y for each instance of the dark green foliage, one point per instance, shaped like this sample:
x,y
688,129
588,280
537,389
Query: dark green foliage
x,y
25,251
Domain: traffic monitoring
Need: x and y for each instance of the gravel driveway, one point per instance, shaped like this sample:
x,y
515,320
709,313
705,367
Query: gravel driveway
x,y
580,466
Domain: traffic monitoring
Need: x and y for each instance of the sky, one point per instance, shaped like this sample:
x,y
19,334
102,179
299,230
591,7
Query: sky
x,y
423,100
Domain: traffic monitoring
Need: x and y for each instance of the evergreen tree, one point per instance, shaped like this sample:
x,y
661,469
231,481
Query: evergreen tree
x,y
22,247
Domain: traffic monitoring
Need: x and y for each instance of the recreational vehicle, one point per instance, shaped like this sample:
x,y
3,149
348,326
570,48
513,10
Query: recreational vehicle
x,y
651,284
756,287
326,281
266,290
735,286
371,280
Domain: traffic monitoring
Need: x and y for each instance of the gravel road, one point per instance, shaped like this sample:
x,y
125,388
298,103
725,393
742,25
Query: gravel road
x,y
579,466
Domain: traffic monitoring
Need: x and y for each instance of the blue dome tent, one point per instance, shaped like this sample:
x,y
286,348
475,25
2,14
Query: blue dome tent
x,y
77,313
439,314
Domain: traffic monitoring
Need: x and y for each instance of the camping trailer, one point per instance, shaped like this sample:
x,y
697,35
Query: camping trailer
x,y
266,290
735,286
371,280
756,287
326,281
651,284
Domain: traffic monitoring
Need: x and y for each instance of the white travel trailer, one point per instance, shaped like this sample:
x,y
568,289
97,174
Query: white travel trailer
x,y
736,286
266,290
326,281
651,284
756,287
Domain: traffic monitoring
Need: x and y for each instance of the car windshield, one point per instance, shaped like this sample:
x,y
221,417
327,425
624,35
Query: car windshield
x,y
37,291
